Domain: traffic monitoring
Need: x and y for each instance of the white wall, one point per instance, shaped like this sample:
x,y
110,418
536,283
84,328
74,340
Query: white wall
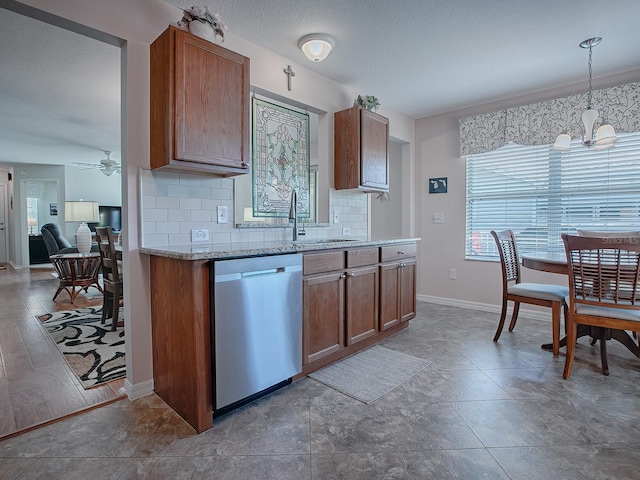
x,y
91,185
442,245
387,215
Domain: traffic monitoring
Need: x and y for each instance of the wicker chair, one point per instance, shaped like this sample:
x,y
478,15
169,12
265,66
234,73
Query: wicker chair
x,y
514,290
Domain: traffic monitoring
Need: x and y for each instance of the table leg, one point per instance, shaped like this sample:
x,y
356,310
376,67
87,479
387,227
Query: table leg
x,y
619,335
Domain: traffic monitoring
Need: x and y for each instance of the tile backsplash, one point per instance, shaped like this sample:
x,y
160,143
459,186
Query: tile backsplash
x,y
175,203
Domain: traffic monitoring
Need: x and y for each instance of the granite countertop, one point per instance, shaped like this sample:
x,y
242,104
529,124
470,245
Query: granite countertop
x,y
220,251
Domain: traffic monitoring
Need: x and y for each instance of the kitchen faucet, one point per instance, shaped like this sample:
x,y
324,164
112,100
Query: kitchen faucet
x,y
293,214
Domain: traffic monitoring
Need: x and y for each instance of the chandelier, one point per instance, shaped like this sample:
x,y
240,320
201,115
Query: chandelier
x,y
605,136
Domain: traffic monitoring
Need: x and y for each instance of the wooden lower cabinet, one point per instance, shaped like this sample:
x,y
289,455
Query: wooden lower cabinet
x,y
340,307
361,304
323,316
397,284
408,290
352,301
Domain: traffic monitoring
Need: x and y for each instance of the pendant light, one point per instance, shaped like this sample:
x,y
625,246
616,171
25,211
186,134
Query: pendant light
x,y
605,136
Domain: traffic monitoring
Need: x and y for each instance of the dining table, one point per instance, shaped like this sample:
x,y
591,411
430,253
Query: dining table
x,y
554,262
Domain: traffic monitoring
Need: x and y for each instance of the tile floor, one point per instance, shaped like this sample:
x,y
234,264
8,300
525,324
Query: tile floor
x,y
481,410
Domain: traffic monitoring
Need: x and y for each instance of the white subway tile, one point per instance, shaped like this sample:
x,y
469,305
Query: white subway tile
x,y
155,215
178,190
168,202
170,178
190,204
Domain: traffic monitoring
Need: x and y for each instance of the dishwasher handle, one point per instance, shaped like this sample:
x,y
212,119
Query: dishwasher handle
x,y
261,273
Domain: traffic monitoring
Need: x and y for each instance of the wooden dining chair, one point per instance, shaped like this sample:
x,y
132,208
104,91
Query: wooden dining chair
x,y
112,280
513,289
604,295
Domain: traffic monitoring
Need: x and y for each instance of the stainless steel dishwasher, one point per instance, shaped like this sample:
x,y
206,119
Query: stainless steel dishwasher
x,y
257,334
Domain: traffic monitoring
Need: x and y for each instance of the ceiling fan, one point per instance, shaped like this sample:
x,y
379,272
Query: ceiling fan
x,y
107,166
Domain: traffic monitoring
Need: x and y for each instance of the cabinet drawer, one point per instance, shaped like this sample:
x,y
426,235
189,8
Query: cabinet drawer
x,y
362,256
322,262
396,252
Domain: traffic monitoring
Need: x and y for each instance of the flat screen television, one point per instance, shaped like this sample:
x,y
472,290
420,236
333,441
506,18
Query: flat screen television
x,y
110,216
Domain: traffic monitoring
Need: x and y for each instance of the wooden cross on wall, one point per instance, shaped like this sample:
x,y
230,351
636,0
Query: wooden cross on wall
x,y
289,73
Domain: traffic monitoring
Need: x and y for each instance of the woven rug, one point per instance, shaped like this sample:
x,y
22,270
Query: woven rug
x,y
369,374
94,353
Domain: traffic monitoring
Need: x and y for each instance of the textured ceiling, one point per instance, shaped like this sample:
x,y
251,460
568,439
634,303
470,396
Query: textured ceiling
x,y
423,57
59,94
59,91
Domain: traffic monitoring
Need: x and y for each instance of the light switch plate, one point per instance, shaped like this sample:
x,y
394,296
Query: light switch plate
x,y
223,214
336,217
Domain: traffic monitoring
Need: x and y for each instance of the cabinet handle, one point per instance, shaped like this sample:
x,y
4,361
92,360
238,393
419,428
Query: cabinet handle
x,y
403,265
343,276
352,274
400,252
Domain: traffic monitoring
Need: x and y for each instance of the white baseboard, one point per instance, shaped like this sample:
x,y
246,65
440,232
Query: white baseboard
x,y
485,307
138,390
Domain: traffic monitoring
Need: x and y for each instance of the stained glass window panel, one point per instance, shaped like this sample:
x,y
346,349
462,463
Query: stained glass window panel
x,y
280,160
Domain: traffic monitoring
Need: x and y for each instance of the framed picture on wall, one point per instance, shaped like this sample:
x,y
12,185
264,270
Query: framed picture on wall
x,y
438,185
53,209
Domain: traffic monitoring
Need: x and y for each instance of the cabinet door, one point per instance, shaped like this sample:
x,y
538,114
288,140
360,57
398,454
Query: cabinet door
x,y
323,316
362,304
407,290
374,137
211,103
389,295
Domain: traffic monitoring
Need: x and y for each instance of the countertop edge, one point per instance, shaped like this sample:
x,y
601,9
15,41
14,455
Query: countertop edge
x,y
243,250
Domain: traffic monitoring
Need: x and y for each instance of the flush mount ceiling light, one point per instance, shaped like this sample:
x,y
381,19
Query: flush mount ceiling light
x,y
316,46
605,136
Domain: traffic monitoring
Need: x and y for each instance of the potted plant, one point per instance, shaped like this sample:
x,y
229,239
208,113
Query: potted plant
x,y
201,22
368,102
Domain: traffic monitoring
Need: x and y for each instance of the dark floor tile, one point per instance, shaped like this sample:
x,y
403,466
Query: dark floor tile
x,y
272,467
262,429
592,462
350,429
467,464
12,468
169,468
430,427
74,469
359,466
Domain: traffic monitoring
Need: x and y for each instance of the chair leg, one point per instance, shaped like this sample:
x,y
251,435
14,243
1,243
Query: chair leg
x,y
514,317
555,326
503,316
57,292
105,307
571,347
603,351
116,311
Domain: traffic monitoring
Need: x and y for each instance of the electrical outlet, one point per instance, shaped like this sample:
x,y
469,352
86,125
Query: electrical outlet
x,y
201,235
452,274
336,217
346,231
438,218
223,214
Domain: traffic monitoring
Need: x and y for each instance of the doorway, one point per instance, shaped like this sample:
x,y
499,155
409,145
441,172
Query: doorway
x,y
40,387
3,225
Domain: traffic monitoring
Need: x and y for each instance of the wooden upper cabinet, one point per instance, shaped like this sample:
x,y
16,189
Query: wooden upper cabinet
x,y
199,105
361,150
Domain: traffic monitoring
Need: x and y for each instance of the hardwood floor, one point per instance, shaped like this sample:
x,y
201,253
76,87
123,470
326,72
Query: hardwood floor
x,y
36,384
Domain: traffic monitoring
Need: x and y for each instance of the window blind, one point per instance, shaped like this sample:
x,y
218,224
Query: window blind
x,y
540,193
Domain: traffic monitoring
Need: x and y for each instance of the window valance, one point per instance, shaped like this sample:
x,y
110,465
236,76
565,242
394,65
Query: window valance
x,y
540,123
